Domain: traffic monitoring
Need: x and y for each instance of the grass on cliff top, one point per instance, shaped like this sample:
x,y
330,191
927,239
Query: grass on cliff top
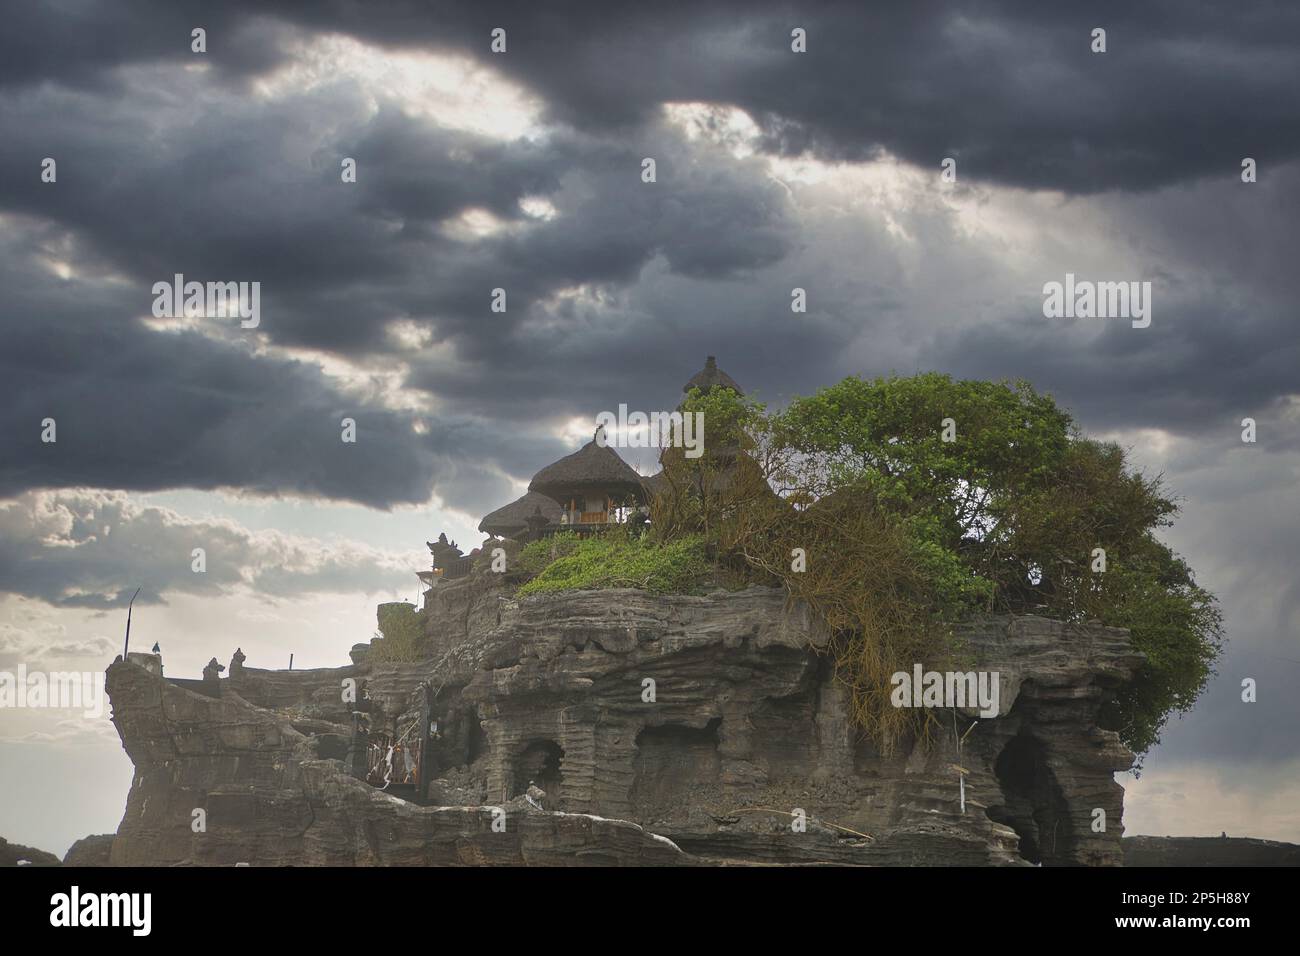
x,y
565,562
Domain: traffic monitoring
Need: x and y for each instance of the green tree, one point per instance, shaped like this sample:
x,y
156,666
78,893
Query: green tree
x,y
1007,507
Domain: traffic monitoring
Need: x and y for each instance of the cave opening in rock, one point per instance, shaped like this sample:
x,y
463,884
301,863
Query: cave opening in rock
x,y
476,744
672,762
1033,804
542,763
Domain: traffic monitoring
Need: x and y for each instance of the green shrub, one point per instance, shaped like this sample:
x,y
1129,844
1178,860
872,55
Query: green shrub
x,y
536,555
615,560
402,628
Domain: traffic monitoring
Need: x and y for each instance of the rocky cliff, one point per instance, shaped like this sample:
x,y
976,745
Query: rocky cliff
x,y
682,730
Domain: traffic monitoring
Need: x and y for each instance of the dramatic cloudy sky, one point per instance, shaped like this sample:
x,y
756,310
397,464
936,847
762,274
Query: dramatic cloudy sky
x,y
521,170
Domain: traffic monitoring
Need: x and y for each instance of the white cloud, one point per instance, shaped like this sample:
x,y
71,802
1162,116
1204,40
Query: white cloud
x,y
85,547
1197,798
450,89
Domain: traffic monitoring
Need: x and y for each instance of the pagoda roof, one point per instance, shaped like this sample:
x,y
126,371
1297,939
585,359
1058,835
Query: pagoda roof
x,y
712,377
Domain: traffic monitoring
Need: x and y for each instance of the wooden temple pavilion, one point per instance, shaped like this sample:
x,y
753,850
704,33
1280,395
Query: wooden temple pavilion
x,y
593,487
584,492
513,520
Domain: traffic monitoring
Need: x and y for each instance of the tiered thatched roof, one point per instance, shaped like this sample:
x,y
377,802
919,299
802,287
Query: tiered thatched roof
x,y
712,377
513,518
591,468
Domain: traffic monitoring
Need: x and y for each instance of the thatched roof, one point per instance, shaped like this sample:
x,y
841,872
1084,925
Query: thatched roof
x,y
712,377
513,518
591,467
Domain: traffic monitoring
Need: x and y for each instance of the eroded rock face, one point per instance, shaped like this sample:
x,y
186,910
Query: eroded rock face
x,y
269,794
661,730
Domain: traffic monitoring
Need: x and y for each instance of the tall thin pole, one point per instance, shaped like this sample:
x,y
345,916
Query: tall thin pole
x,y
128,622
424,768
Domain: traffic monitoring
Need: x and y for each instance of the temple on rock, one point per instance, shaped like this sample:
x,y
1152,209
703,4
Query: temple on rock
x,y
482,729
584,492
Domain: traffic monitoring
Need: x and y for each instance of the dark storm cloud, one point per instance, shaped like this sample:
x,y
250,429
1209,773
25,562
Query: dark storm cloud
x,y
81,42
142,410
1122,380
1224,342
215,186
619,297
1010,88
235,195
1239,531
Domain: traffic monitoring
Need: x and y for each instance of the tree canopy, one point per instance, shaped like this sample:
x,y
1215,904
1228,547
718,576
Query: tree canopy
x,y
921,501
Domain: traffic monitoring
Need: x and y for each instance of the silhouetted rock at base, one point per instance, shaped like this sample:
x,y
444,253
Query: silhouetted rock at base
x,y
12,853
1208,851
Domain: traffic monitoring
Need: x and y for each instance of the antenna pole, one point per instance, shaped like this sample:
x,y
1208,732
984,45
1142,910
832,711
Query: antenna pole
x,y
128,623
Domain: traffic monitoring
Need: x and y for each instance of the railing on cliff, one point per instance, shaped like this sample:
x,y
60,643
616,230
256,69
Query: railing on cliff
x,y
456,568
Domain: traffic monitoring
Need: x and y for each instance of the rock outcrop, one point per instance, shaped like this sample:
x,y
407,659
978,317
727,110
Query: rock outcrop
x,y
661,730
1208,851
15,854
92,850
